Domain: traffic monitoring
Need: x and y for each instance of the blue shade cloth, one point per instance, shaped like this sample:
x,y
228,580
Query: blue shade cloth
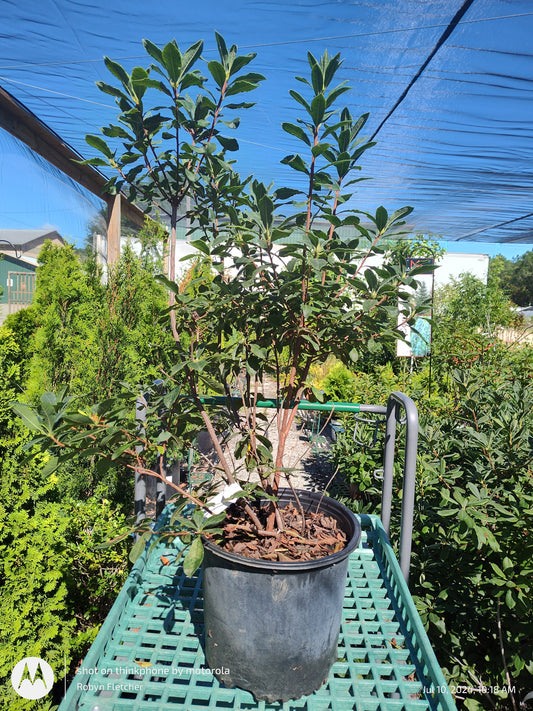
x,y
449,95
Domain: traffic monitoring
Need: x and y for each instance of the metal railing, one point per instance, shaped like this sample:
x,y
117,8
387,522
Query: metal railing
x,y
395,403
392,413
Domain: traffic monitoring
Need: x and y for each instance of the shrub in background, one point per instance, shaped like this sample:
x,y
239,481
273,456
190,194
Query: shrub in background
x,y
55,586
473,563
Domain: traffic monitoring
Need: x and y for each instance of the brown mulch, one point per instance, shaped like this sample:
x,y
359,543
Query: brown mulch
x,y
318,537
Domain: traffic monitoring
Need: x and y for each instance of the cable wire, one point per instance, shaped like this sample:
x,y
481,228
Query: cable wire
x,y
58,93
442,39
493,227
286,42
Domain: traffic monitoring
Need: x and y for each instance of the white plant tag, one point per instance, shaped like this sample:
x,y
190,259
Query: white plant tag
x,y
221,501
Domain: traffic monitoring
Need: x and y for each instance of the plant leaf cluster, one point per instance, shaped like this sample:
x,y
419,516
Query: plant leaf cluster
x,y
291,277
471,570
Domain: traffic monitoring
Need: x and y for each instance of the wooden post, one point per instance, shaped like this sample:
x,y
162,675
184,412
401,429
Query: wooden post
x,y
113,229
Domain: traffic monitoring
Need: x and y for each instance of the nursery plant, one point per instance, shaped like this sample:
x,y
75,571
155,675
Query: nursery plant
x,y
290,285
357,456
290,280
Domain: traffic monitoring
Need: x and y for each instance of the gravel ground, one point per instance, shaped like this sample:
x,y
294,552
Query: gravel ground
x,y
307,455
307,451
310,462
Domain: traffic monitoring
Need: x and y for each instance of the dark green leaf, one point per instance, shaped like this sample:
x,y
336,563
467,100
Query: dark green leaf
x,y
299,98
240,62
214,520
50,466
217,72
194,557
334,94
111,90
381,218
139,78
100,145
153,50
201,246
240,87
116,132
120,73
252,78
28,416
296,162
318,109
138,548
331,68
286,193
242,105
190,56
320,148
229,144
401,213
221,44
191,79
296,131
172,61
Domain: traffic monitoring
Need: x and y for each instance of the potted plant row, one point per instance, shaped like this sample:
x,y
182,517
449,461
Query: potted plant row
x,y
280,280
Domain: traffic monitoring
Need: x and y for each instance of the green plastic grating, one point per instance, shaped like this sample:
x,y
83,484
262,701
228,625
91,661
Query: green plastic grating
x,y
148,655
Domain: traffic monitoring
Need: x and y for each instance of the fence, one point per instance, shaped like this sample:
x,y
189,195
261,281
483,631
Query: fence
x,y
20,290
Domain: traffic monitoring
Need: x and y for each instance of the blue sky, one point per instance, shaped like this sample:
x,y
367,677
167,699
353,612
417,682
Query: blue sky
x,y
458,146
34,197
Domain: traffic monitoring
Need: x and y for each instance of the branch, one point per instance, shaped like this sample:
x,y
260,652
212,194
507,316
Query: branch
x,y
163,478
502,652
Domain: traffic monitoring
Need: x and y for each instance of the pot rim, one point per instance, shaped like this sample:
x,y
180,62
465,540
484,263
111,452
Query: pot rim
x,y
298,565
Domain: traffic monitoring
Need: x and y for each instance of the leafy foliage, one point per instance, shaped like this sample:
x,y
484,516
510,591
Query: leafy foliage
x,y
54,584
64,344
514,277
92,336
296,292
472,550
174,146
417,246
22,325
468,316
357,456
474,518
95,573
339,383
10,368
467,304
279,287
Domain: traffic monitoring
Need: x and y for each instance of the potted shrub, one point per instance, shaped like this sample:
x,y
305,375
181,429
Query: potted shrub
x,y
289,285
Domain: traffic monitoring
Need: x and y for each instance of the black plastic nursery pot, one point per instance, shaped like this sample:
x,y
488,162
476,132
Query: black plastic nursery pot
x,y
272,627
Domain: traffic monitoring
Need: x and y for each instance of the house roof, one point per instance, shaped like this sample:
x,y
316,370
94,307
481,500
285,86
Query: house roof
x,y
27,238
